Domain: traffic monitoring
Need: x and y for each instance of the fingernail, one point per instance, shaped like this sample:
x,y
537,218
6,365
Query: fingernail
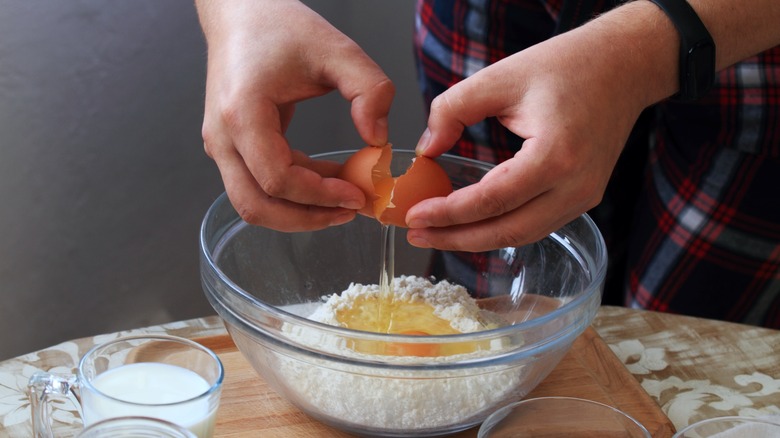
x,y
423,143
352,204
418,223
417,241
342,218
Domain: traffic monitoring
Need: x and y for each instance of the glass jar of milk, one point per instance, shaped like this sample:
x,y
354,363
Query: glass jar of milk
x,y
159,377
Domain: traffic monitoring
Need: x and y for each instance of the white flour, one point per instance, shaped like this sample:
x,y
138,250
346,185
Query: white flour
x,y
399,398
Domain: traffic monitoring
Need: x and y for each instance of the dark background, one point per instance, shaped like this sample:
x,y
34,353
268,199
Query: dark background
x,y
103,178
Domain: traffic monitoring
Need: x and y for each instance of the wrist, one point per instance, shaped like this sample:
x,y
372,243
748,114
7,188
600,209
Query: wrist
x,y
640,43
696,71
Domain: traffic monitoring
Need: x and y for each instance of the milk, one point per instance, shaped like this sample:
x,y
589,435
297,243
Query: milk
x,y
151,390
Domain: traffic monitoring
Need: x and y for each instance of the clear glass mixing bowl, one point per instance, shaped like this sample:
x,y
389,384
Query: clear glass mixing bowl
x,y
265,283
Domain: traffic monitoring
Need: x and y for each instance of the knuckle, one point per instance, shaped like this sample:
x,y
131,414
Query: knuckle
x,y
216,128
385,87
451,101
506,241
441,104
273,185
210,136
232,117
506,238
249,214
206,132
490,206
208,149
208,143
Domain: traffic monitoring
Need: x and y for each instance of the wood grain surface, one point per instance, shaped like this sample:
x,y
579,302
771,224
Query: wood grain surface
x,y
250,408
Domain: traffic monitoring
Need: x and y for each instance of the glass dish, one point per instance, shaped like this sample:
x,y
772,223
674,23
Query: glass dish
x,y
264,284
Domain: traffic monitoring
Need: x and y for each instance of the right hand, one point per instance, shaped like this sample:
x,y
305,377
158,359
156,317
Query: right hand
x,y
264,57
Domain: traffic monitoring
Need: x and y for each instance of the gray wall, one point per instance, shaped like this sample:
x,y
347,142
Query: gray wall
x,y
103,179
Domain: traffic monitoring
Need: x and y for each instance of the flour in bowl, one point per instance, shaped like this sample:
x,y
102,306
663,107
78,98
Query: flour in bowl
x,y
402,392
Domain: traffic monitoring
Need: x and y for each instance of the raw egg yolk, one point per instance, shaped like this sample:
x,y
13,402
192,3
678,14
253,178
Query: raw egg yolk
x,y
388,199
403,318
413,349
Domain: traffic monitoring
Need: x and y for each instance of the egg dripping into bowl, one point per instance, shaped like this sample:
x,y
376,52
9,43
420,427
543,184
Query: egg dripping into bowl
x,y
388,199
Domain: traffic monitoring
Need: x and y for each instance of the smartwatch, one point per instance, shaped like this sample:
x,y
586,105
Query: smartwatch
x,y
697,49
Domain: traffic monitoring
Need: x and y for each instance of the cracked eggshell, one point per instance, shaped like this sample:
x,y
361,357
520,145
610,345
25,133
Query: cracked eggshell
x,y
365,169
388,199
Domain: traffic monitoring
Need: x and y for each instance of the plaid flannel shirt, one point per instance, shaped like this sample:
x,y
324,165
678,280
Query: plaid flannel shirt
x,y
704,235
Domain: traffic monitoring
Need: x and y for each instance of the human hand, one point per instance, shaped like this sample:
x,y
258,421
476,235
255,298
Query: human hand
x,y
264,57
574,100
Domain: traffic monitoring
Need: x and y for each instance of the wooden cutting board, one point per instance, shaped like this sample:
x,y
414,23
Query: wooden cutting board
x,y
250,408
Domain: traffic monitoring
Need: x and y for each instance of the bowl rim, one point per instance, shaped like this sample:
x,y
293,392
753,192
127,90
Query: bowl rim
x,y
503,412
483,164
744,419
596,278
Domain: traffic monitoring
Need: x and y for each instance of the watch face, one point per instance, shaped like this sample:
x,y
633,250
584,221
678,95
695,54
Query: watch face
x,y
700,68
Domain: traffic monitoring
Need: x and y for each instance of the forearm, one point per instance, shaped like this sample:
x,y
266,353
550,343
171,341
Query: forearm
x,y
645,43
225,19
740,28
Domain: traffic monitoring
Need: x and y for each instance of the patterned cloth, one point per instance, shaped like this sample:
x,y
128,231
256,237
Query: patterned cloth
x,y
692,368
703,236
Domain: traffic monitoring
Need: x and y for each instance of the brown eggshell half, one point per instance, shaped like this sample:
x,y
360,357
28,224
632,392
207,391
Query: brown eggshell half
x,y
388,199
364,169
424,179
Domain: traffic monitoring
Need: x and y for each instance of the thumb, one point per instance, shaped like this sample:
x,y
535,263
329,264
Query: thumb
x,y
451,112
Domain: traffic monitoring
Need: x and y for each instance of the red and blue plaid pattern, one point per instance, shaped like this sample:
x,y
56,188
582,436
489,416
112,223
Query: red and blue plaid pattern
x,y
707,235
704,236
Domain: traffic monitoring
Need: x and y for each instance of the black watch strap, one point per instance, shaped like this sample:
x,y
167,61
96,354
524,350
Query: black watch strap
x,y
697,49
